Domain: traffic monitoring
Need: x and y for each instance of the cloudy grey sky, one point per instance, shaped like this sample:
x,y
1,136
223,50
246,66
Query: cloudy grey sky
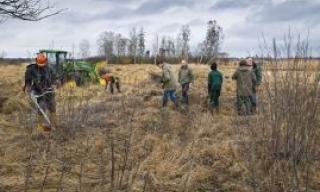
x,y
243,21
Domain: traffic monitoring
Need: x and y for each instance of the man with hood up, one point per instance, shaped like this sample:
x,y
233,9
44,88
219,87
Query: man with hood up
x,y
246,79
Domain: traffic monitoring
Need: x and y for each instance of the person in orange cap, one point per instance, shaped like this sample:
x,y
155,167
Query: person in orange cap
x,y
40,80
113,80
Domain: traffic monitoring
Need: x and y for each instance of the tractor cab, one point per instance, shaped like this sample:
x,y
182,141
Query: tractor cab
x,y
69,70
56,60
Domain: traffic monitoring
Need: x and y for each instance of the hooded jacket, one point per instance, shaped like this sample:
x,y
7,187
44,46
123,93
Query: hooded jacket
x,y
246,79
168,78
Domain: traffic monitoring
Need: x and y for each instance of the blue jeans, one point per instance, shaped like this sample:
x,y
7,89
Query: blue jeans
x,y
253,99
185,90
169,94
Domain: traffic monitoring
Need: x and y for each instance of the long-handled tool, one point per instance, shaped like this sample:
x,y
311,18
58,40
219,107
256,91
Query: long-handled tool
x,y
34,98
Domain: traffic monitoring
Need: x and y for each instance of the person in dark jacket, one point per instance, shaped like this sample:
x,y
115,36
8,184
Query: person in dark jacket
x,y
256,68
246,79
215,80
40,79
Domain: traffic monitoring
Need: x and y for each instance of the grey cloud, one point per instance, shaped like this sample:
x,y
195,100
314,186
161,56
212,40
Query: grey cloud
x,y
157,6
73,17
145,8
293,10
197,22
170,28
121,10
119,1
270,11
116,13
235,4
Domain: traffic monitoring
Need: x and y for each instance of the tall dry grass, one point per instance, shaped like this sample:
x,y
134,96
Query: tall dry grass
x,y
126,142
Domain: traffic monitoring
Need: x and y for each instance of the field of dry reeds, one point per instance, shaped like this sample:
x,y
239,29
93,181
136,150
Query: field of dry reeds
x,y
127,142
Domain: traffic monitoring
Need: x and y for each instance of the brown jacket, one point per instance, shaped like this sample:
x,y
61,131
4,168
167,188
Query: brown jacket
x,y
245,80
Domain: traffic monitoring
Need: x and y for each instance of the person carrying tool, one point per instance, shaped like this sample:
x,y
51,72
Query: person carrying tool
x,y
40,80
215,80
246,79
185,78
113,81
169,84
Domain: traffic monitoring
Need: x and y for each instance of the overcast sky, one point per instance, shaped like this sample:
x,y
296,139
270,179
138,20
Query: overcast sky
x,y
243,21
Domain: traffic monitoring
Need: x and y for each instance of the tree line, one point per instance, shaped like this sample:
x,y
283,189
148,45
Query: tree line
x,y
120,49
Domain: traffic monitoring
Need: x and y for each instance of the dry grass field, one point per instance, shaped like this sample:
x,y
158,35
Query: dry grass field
x,y
127,142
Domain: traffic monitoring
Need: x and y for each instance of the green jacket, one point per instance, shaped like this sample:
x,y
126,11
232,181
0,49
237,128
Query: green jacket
x,y
168,78
246,79
185,75
215,80
258,72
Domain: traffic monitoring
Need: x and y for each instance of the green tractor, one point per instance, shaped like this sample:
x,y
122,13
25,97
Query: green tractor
x,y
70,69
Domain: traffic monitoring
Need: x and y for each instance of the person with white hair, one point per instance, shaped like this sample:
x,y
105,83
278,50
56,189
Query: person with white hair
x,y
256,68
185,78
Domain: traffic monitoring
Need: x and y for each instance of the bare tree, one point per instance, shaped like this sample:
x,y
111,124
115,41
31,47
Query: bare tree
x,y
170,47
155,47
106,44
133,46
200,52
163,47
213,39
84,47
178,46
117,46
141,44
185,39
29,10
123,46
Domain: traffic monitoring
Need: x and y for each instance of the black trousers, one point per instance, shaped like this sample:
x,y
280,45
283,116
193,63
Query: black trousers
x,y
47,102
214,97
114,81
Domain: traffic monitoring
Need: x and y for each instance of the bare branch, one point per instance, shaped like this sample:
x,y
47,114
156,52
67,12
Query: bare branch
x,y
28,10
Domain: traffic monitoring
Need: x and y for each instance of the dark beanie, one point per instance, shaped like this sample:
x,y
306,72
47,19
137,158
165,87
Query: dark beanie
x,y
214,66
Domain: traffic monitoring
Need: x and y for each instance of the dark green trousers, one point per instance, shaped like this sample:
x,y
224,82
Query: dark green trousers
x,y
214,97
244,105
